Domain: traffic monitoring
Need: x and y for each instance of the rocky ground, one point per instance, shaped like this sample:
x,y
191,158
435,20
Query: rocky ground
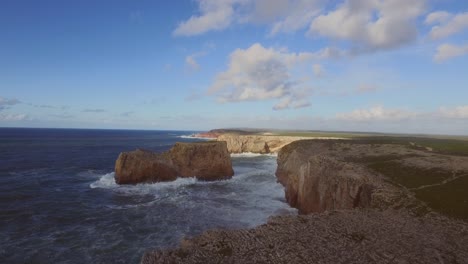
x,y
353,236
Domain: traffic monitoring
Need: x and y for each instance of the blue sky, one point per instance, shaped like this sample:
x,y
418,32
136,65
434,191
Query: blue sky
x,y
360,65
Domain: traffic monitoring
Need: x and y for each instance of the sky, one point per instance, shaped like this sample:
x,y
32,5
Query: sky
x,y
343,65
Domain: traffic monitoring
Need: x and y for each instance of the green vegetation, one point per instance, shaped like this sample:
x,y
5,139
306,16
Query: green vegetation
x,y
450,198
316,134
445,146
410,177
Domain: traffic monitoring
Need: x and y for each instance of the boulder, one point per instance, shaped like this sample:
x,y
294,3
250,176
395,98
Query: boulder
x,y
203,160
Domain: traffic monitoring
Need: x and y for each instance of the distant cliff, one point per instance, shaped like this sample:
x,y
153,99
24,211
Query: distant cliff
x,y
256,143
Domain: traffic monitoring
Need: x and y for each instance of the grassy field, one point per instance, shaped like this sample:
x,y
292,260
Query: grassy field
x,y
449,198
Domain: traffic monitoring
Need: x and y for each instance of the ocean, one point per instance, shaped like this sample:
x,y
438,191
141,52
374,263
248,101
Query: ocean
x,y
59,202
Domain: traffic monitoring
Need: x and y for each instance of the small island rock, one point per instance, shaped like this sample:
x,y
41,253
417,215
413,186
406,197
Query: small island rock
x,y
203,160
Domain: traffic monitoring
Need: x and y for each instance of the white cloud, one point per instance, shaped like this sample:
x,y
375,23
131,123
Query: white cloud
x,y
371,24
446,24
292,15
90,110
449,51
14,117
5,103
437,17
260,73
214,15
283,15
318,70
377,113
459,112
191,60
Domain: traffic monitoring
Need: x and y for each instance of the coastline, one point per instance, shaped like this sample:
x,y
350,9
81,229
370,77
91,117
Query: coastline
x,y
235,246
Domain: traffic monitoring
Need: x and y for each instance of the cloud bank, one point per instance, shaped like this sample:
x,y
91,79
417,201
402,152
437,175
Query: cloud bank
x,y
258,73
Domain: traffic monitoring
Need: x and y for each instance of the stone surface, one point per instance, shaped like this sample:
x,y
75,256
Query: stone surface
x,y
143,166
203,160
353,236
316,182
256,143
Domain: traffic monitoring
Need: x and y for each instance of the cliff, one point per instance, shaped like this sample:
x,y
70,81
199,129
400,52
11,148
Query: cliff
x,y
262,144
203,160
344,174
316,181
366,202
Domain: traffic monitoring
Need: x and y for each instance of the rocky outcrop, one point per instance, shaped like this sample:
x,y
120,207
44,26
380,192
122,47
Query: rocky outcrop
x,y
256,143
353,236
203,160
316,182
143,166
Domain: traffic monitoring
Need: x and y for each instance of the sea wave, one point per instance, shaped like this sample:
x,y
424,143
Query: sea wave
x,y
107,181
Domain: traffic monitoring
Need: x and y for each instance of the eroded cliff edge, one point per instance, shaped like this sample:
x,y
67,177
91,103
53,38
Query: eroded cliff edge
x,y
262,144
336,174
370,204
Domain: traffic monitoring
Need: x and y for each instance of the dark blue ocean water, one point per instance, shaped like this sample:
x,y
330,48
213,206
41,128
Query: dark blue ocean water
x,y
59,202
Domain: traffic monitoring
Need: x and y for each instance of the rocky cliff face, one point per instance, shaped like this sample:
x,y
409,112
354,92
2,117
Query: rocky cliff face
x,y
256,143
315,181
204,160
143,166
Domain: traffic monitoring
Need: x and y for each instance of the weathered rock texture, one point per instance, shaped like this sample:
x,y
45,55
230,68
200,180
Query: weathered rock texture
x,y
316,181
143,166
256,143
204,160
354,236
323,175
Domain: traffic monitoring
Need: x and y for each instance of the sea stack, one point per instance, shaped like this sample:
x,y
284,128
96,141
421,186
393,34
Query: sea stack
x,y
203,160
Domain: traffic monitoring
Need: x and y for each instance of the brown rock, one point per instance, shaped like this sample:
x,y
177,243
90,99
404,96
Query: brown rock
x,y
143,166
316,182
204,160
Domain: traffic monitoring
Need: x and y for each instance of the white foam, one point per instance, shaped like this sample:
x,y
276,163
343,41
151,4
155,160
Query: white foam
x,y
251,155
194,137
106,181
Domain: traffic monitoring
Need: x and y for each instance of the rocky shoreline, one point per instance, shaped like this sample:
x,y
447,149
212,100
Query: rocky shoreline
x,y
358,205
